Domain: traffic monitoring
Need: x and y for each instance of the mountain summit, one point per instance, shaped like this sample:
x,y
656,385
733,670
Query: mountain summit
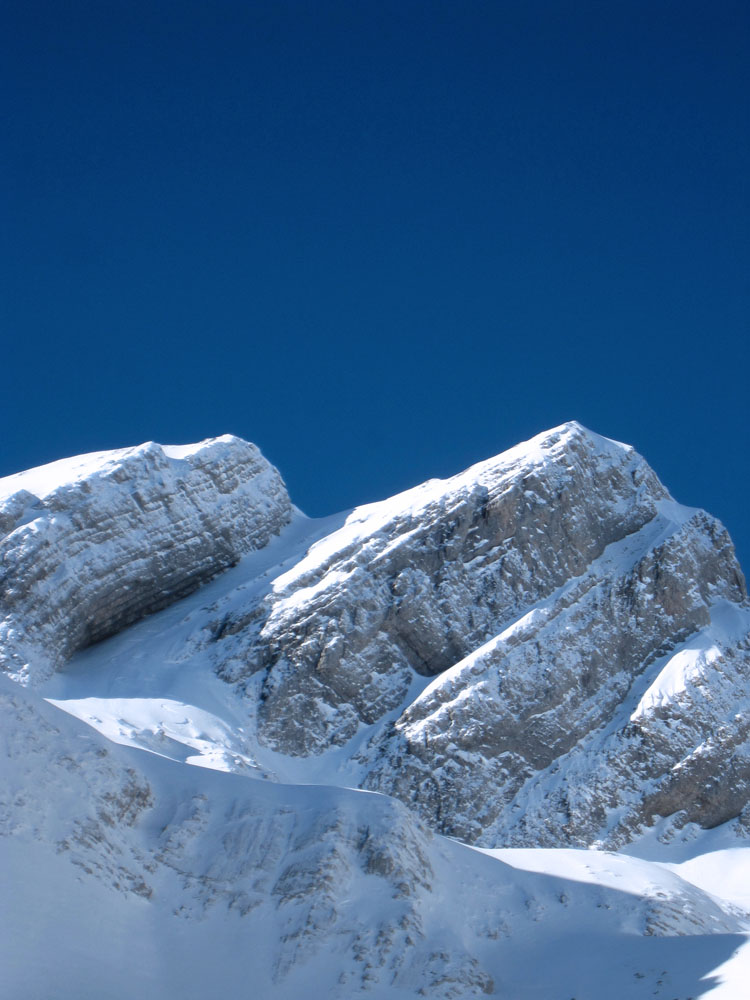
x,y
545,651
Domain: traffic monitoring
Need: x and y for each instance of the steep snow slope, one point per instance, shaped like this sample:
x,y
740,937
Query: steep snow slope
x,y
545,649
128,873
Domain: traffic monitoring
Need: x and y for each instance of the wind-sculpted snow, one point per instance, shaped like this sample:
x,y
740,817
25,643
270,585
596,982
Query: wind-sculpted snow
x,y
89,545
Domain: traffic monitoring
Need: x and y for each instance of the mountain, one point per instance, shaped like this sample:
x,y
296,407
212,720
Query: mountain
x,y
488,737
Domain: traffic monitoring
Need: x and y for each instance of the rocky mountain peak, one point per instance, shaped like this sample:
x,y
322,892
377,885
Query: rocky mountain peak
x,y
544,651
93,543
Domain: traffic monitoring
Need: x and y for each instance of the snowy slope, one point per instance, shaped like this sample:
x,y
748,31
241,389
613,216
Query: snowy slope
x,y
127,872
161,834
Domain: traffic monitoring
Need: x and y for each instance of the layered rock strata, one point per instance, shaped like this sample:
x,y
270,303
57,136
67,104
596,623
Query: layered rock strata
x,y
608,706
90,545
544,649
413,585
547,592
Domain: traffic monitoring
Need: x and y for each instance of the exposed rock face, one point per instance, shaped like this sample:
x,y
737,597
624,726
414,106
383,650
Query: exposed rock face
x,y
680,750
416,583
542,735
90,545
575,618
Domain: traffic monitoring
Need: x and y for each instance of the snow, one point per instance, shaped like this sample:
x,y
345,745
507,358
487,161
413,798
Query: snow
x,y
371,521
693,659
665,920
723,875
45,479
164,726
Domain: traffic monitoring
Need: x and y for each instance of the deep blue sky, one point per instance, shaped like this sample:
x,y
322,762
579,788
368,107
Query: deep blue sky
x,y
381,239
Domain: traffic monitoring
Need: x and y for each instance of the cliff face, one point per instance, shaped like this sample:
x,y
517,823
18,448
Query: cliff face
x,y
572,615
415,584
544,649
583,719
90,545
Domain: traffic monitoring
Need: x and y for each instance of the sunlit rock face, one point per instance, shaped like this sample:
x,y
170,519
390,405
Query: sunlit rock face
x,y
477,641
90,545
416,583
605,707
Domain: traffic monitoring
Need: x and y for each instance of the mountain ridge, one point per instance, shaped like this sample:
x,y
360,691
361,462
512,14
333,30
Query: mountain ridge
x,y
545,651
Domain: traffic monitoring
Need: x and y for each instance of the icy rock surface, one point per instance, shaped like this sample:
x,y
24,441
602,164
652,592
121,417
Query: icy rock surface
x,y
89,545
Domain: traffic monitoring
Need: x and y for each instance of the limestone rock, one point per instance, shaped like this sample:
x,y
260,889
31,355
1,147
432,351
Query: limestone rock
x,y
593,714
482,647
416,583
90,545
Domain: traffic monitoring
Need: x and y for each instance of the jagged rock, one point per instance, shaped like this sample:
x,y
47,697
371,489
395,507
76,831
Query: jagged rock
x,y
416,583
92,544
510,746
678,746
544,589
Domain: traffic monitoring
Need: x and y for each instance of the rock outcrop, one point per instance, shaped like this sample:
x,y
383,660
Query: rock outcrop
x,y
483,635
595,713
90,545
414,584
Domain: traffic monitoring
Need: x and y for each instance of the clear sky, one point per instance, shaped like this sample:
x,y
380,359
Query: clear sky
x,y
383,240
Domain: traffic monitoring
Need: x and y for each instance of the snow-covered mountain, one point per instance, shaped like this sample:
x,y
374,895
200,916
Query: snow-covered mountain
x,y
421,728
